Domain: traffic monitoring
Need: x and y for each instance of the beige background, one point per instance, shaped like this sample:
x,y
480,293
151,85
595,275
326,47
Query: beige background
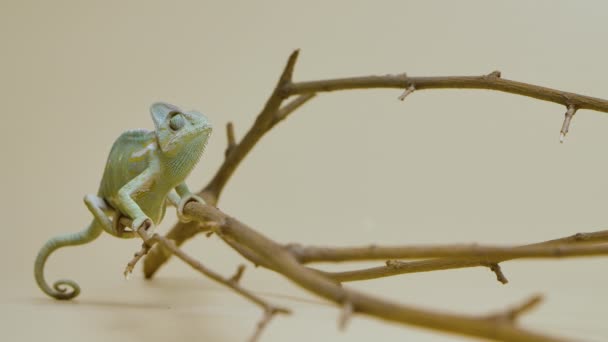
x,y
353,167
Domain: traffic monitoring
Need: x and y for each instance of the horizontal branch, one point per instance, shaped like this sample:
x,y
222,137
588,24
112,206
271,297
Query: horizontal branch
x,y
282,261
489,82
488,253
439,264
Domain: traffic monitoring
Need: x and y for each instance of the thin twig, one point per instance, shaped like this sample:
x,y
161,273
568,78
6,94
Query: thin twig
x,y
495,267
512,314
341,254
400,267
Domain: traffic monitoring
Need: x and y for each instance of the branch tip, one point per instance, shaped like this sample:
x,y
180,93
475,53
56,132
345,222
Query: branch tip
x,y
287,74
231,139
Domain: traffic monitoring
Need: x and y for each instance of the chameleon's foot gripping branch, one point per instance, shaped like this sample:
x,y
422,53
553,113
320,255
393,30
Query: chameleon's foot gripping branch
x,y
64,288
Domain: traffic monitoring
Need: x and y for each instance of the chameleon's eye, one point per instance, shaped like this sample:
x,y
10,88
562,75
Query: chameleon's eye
x,y
177,122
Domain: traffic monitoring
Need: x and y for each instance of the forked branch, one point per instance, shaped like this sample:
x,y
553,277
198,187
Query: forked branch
x,y
273,113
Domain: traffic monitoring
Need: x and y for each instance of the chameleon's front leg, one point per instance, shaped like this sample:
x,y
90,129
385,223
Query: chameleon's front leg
x,y
183,197
126,204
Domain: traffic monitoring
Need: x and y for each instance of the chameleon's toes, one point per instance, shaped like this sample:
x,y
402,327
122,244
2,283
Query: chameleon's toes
x,y
144,223
182,204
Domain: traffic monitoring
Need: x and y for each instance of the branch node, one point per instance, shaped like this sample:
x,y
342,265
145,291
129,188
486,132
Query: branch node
x,y
345,315
495,267
407,91
231,139
567,119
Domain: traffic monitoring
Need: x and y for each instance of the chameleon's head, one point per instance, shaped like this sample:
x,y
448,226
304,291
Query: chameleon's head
x,y
177,130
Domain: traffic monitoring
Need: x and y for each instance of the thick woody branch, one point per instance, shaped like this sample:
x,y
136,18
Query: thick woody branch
x,y
282,260
400,267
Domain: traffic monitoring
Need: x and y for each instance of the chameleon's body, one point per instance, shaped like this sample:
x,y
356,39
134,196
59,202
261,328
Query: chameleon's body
x,y
141,172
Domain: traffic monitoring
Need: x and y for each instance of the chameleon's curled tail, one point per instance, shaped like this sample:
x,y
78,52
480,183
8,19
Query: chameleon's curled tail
x,y
64,288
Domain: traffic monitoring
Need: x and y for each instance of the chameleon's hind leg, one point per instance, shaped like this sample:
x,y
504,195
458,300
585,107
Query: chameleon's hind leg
x,y
107,217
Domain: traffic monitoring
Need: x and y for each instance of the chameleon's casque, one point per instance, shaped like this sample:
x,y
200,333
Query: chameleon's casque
x,y
142,170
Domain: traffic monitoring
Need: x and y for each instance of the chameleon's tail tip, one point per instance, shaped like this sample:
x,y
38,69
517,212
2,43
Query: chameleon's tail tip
x,y
66,289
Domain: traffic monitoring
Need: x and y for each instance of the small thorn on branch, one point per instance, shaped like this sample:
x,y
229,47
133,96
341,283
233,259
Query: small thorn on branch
x,y
407,91
494,74
345,315
238,274
495,267
567,119
231,139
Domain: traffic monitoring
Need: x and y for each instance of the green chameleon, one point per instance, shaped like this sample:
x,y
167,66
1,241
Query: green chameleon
x,y
141,172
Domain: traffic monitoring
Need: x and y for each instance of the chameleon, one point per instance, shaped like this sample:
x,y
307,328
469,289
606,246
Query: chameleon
x,y
145,171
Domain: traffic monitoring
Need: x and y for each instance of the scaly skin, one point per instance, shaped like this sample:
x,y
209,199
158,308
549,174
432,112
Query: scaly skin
x,y
142,170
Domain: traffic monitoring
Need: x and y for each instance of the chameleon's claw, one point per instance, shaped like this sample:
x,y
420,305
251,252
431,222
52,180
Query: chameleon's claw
x,y
182,204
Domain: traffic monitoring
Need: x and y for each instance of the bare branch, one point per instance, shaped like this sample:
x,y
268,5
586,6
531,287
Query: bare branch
x,y
451,82
398,267
490,253
232,282
269,116
286,264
